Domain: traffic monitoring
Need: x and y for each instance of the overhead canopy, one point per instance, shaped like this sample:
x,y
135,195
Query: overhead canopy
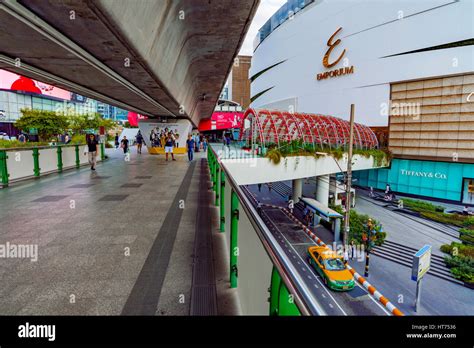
x,y
272,126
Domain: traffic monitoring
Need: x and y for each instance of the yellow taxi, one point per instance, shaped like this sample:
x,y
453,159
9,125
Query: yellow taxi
x,y
331,267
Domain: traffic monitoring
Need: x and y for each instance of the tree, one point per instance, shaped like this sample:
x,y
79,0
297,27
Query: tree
x,y
48,123
79,123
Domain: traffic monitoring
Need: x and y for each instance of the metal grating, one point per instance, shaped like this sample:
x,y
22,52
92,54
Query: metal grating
x,y
131,185
45,199
81,186
143,177
113,198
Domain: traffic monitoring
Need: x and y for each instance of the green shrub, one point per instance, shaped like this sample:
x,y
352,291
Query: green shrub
x,y
467,236
357,225
462,267
274,155
78,139
446,248
469,222
8,144
450,219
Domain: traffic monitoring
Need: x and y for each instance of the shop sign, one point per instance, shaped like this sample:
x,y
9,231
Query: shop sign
x,y
346,70
431,175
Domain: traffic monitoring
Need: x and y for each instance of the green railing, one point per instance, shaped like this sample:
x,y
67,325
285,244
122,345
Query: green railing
x,y
36,152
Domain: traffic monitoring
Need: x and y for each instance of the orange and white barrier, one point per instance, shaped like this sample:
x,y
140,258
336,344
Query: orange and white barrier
x,y
370,288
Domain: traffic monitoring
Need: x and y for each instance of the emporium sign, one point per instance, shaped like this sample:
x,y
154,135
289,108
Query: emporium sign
x,y
336,72
431,175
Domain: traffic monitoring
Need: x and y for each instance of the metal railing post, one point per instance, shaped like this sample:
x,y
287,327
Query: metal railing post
x,y
78,160
222,210
3,168
60,158
234,230
36,155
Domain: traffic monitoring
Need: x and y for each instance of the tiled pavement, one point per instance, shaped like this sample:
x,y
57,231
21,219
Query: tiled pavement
x,y
94,232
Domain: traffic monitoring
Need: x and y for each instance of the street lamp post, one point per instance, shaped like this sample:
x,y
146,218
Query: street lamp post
x,y
348,178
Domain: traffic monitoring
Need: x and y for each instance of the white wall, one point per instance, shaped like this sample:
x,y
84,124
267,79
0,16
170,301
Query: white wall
x,y
262,170
371,30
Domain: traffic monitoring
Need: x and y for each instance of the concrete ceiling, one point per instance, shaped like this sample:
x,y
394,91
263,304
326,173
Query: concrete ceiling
x,y
155,57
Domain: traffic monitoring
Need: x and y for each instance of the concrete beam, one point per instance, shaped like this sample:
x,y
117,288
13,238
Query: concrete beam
x,y
158,57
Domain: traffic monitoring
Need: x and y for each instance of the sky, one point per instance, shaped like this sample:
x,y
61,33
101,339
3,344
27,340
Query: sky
x,y
266,9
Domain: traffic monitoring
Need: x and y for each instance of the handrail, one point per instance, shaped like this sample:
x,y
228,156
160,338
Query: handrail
x,y
303,298
38,147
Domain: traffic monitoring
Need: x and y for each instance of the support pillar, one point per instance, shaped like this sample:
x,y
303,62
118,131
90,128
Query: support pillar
x,y
234,249
3,168
322,191
222,210
297,190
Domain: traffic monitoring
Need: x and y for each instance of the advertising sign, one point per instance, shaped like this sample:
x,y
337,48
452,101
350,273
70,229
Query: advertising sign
x,y
15,82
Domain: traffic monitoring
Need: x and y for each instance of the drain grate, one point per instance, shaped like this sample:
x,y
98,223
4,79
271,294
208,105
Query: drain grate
x,y
113,198
98,177
81,186
143,177
131,185
49,199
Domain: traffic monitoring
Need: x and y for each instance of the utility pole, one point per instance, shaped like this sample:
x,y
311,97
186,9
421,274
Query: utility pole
x,y
349,180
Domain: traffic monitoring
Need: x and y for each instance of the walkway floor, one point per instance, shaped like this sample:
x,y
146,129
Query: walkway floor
x,y
119,240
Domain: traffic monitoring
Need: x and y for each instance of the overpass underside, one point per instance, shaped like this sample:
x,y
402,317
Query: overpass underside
x,y
155,57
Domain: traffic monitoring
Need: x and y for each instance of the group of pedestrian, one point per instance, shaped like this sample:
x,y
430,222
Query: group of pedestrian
x,y
194,143
159,137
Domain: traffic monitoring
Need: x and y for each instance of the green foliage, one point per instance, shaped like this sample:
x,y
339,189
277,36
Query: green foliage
x,y
299,148
466,236
462,267
78,139
8,144
274,155
79,123
47,123
358,227
128,125
452,219
469,222
421,206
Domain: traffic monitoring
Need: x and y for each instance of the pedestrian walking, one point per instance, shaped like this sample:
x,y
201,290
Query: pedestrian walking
x,y
259,187
139,140
124,144
91,150
346,256
204,144
117,143
190,147
353,249
269,187
169,147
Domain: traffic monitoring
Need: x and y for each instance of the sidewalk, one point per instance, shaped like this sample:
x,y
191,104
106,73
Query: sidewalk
x,y
110,242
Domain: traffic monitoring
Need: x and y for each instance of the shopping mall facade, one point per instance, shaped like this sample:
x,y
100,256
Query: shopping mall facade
x,y
408,66
18,92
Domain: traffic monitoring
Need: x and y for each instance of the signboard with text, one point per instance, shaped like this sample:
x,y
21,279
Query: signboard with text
x,y
421,263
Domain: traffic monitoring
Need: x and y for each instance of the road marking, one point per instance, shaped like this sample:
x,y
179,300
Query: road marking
x,y
330,305
324,296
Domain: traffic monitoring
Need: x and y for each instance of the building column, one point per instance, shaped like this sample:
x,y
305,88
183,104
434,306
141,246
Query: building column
x,y
297,190
322,191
